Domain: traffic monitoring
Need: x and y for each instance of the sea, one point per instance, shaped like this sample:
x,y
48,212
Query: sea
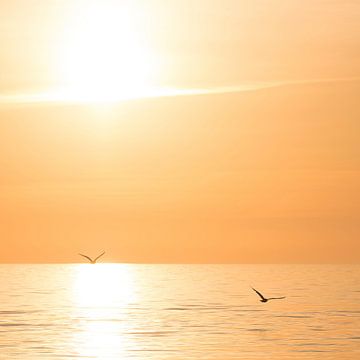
x,y
179,312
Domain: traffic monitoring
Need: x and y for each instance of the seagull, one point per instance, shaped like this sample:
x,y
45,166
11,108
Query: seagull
x,y
264,299
90,259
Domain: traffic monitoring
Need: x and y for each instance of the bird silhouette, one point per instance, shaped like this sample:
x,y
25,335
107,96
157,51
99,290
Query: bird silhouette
x,y
92,261
264,299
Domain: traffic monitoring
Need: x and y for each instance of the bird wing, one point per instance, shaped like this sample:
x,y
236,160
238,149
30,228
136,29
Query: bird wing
x,y
99,256
259,293
87,257
277,298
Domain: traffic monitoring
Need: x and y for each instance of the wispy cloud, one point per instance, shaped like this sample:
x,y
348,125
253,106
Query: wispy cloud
x,y
62,96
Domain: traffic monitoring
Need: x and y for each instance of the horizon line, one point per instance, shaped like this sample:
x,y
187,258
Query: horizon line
x,y
184,263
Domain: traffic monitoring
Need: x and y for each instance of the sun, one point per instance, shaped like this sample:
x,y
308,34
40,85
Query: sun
x,y
105,55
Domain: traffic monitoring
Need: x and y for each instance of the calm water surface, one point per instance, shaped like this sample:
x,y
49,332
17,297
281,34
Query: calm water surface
x,y
155,312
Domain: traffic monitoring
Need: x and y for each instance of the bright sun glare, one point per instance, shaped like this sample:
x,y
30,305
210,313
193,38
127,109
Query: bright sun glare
x,y
102,294
104,53
94,286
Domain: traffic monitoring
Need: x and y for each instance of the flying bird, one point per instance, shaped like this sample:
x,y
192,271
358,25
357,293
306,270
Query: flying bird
x,y
92,261
264,299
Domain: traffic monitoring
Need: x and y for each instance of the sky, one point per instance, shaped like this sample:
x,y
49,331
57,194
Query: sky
x,y
180,131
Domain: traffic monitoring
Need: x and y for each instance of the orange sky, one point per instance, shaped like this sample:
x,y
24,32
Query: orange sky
x,y
267,175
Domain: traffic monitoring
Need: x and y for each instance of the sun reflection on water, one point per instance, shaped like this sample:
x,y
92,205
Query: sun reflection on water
x,y
102,294
103,285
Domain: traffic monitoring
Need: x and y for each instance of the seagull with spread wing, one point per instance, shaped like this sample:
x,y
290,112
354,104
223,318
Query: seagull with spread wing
x,y
264,299
92,261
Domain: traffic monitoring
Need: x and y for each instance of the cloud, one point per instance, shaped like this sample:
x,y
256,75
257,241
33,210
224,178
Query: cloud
x,y
62,96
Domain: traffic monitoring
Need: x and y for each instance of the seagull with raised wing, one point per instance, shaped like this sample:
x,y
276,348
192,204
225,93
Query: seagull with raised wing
x,y
264,299
92,261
